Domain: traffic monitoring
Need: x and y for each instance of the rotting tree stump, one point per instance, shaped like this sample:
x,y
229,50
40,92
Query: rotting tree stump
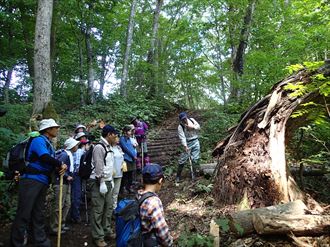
x,y
252,157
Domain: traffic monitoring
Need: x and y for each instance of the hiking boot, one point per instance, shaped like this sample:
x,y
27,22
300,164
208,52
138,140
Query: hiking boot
x,y
100,243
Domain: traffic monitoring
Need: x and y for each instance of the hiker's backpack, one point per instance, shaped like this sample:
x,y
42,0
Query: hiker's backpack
x,y
128,222
86,167
16,156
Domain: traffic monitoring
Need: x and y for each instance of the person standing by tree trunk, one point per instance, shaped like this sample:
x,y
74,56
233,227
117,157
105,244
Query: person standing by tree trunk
x,y
33,186
188,134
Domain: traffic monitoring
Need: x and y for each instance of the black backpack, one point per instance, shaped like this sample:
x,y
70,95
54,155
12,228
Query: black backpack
x,y
16,159
86,167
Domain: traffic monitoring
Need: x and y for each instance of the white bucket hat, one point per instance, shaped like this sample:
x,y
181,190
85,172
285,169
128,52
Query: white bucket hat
x,y
70,143
47,123
79,135
80,126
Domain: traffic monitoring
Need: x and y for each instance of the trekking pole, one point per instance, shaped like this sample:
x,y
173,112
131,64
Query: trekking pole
x,y
60,212
191,168
142,156
142,161
86,207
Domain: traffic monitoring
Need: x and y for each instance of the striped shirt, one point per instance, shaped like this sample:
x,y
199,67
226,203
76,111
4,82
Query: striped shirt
x,y
152,219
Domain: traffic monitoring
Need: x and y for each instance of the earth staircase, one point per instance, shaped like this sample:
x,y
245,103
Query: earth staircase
x,y
164,145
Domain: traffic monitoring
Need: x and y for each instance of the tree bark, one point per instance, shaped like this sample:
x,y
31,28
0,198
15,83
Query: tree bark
x,y
152,54
129,39
42,69
90,65
244,218
103,74
81,72
299,225
7,85
252,157
238,53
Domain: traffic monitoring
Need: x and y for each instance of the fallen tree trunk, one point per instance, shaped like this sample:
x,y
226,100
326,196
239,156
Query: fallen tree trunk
x,y
251,160
241,223
299,225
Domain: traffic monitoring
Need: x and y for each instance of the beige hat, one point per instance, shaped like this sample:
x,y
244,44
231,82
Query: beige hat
x,y
70,143
79,135
47,123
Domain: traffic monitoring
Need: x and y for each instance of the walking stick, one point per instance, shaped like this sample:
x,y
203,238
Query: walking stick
x,y
191,168
60,213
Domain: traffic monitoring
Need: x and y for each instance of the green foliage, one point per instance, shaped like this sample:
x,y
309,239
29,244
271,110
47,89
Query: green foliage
x,y
294,68
8,200
225,227
14,126
223,224
188,239
117,111
202,187
215,129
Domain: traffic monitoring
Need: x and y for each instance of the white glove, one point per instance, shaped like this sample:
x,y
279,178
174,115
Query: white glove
x,y
112,184
103,188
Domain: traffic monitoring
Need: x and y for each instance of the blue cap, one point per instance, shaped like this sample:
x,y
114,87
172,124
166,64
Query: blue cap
x,y
109,129
152,171
182,115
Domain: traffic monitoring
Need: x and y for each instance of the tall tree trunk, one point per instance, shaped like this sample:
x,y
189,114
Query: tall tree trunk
x,y
90,65
7,84
81,72
11,66
129,39
53,40
252,158
28,40
238,55
152,54
42,69
103,74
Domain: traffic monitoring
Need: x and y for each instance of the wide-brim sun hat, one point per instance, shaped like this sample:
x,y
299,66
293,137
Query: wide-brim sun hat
x,y
47,123
79,135
70,143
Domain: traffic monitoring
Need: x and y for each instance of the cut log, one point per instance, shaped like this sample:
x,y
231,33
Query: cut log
x,y
299,225
241,223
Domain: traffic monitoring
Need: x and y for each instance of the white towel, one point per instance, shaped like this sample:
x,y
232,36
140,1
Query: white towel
x,y
71,166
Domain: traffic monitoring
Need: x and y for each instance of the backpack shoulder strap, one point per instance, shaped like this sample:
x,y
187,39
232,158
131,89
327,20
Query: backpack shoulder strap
x,y
145,196
106,151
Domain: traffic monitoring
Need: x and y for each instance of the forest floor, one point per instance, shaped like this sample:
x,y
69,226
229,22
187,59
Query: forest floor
x,y
189,210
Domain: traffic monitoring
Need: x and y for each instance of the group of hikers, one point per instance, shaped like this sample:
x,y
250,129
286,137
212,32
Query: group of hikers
x,y
119,163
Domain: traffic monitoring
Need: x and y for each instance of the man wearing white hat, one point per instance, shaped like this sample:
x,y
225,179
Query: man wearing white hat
x,y
66,156
33,186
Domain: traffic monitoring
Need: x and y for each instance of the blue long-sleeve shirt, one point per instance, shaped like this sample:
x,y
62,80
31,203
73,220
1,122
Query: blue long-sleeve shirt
x,y
128,148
